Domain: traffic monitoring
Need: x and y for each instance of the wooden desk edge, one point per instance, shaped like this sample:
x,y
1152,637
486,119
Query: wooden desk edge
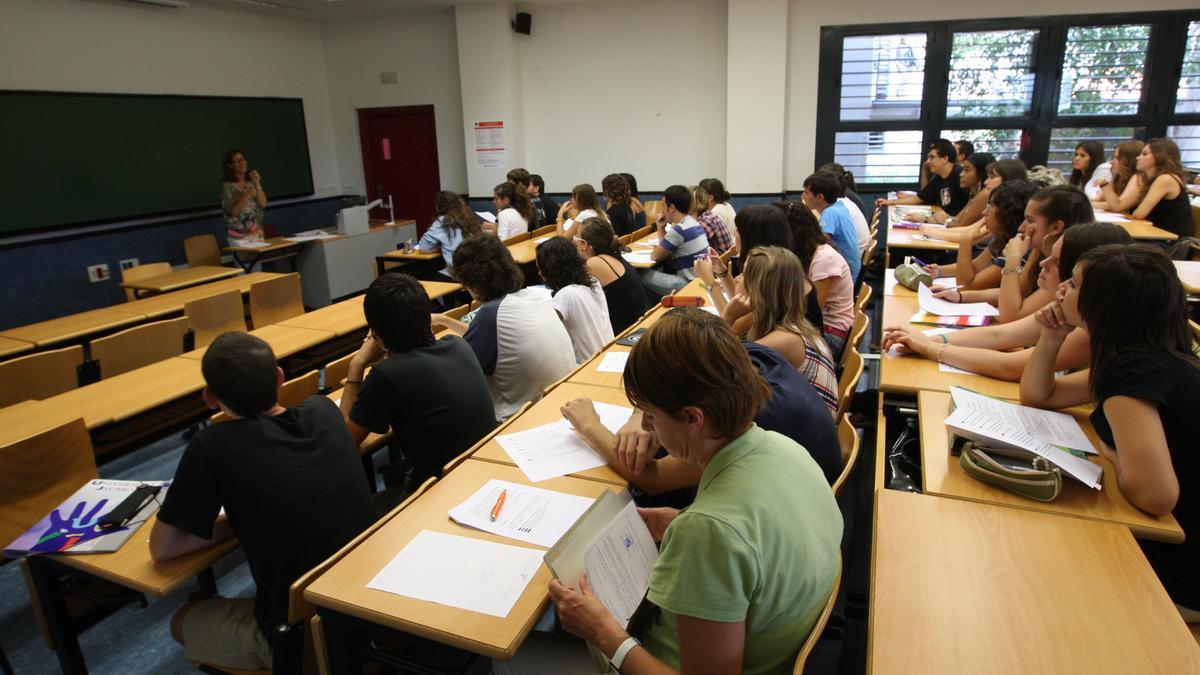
x,y
190,566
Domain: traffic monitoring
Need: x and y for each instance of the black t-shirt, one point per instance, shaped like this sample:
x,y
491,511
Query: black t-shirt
x,y
1174,387
435,399
292,486
945,192
549,209
796,410
625,296
481,335
621,218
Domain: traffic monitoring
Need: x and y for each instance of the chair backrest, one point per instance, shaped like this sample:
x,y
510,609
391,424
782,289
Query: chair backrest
x,y
848,382
336,371
202,249
516,239
543,231
848,440
864,297
291,393
643,232
625,239
275,300
819,627
139,346
41,375
654,209
142,272
40,472
869,254
215,314
456,313
857,332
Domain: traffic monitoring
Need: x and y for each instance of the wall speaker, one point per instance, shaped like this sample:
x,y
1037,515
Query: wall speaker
x,y
523,24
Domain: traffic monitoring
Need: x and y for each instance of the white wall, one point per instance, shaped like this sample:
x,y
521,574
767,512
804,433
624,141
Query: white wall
x,y
422,48
636,86
105,46
807,16
756,105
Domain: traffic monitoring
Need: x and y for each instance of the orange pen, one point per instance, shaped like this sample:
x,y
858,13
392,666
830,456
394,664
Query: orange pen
x,y
499,505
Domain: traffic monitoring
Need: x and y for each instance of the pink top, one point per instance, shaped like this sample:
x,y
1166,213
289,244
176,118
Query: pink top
x,y
827,263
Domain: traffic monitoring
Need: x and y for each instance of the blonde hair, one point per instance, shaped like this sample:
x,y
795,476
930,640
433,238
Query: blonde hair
x,y
775,280
700,199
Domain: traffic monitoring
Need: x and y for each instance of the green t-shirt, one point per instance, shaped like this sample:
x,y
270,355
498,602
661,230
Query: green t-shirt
x,y
760,544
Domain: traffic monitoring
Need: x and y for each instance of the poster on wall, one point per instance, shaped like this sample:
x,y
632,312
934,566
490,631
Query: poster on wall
x,y
489,145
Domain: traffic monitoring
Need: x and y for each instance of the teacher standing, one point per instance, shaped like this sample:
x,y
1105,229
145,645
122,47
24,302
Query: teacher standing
x,y
242,197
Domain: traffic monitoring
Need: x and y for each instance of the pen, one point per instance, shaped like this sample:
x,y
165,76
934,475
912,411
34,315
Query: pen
x,y
920,262
499,505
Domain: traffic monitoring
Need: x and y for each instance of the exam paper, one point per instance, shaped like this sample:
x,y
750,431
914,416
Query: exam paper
x,y
613,417
471,574
541,239
638,257
1103,216
489,217
945,308
549,451
613,362
529,513
619,563
946,368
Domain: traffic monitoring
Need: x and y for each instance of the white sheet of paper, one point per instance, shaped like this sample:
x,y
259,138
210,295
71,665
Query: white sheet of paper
x,y
471,574
619,563
490,217
549,451
303,238
529,513
541,239
613,417
711,310
946,368
638,257
613,362
946,308
251,244
1103,216
934,332
652,241
944,282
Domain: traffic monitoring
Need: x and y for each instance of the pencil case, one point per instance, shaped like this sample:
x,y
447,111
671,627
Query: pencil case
x,y
911,275
1030,476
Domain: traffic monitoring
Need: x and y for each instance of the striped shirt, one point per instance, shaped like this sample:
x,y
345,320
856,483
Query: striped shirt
x,y
819,371
686,242
716,231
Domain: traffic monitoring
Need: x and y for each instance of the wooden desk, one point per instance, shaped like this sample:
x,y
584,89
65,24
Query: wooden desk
x,y
248,256
1189,275
284,340
525,252
970,588
587,373
158,306
414,255
10,347
907,239
343,589
125,395
943,476
65,328
177,279
437,289
548,410
909,374
131,567
644,245
1144,230
340,318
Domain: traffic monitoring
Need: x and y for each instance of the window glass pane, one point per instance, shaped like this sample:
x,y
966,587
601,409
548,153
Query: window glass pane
x,y
991,73
1063,142
1003,143
1188,138
1188,98
882,77
1102,70
879,156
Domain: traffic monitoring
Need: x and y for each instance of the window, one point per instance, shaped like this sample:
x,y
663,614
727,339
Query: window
x,y
991,74
1003,143
883,76
1064,141
1187,98
1102,70
880,157
1188,138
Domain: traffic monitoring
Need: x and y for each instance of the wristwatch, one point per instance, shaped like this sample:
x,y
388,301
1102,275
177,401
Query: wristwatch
x,y
1010,271
618,656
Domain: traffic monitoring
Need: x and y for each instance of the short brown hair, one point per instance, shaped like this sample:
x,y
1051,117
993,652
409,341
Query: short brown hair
x,y
691,358
483,265
240,371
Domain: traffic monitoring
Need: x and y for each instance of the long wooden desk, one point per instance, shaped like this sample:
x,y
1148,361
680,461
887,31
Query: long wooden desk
x,y
249,256
182,278
525,252
339,318
158,306
943,476
342,590
284,340
1189,275
10,347
547,410
65,328
959,587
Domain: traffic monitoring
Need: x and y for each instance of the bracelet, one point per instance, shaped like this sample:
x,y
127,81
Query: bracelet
x,y
942,351
353,381
618,657
722,275
944,340
959,291
1010,271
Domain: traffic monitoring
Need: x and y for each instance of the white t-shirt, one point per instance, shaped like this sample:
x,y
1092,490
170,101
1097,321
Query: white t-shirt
x,y
582,216
584,310
725,212
533,350
861,229
509,223
1104,171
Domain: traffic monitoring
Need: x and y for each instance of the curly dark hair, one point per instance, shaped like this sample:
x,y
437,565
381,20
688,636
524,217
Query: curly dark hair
x,y
616,188
485,267
455,213
560,265
806,230
1008,201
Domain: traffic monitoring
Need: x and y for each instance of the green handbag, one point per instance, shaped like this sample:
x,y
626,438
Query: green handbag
x,y
1024,473
910,275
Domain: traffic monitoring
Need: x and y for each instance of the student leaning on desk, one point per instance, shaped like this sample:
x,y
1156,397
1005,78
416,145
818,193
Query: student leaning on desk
x,y
1145,382
744,571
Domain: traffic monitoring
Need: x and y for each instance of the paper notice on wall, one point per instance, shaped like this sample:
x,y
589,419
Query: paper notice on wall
x,y
489,145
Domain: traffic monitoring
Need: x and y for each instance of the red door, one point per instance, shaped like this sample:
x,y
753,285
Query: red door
x,y
399,149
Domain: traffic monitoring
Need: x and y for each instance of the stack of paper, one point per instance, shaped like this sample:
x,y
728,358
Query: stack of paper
x,y
638,257
613,362
923,317
554,449
521,512
1045,433
489,217
934,305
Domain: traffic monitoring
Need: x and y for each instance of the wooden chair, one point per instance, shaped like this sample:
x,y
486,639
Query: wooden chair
x,y
139,346
864,297
627,239
516,239
644,232
202,249
40,375
543,231
854,340
848,439
275,300
215,314
291,393
726,257
456,313
869,254
654,209
818,628
336,372
142,272
848,382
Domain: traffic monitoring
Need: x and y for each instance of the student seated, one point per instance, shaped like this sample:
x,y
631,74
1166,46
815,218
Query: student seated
x,y
582,205
943,188
720,237
861,229
719,205
743,573
847,180
997,173
624,295
1088,168
973,179
519,340
821,193
523,179
635,201
1163,194
681,240
1145,382
827,272
455,221
543,203
996,350
431,393
1122,192
514,211
1002,220
578,297
620,204
292,489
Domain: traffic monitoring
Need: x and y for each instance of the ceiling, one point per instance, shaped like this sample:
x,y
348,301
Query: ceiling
x,y
342,10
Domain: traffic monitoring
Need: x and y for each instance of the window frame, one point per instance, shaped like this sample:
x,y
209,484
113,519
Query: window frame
x,y
1164,60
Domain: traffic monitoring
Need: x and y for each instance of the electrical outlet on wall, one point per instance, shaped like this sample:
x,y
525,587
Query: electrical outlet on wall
x,y
128,262
98,273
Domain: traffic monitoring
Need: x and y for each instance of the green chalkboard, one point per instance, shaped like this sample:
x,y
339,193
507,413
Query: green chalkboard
x,y
75,158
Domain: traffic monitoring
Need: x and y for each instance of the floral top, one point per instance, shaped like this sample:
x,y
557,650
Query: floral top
x,y
247,222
